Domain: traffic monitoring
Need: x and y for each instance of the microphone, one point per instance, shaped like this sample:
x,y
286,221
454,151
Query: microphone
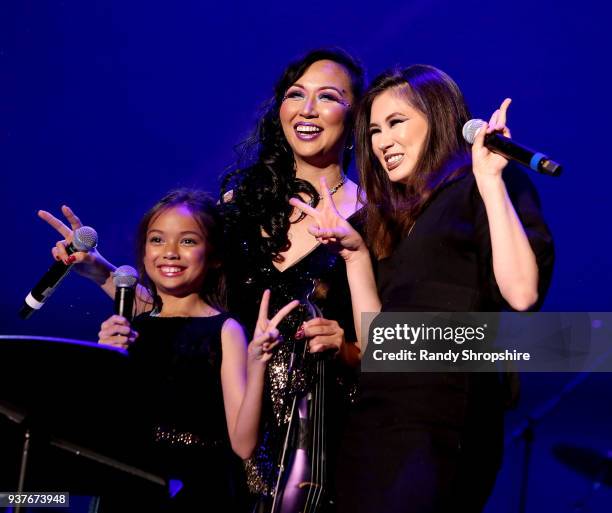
x,y
125,278
511,150
85,239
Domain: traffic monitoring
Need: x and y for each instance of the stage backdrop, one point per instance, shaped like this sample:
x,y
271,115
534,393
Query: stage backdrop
x,y
105,105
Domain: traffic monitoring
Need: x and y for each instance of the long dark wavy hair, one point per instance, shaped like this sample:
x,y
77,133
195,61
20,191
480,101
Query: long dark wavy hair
x,y
392,208
263,180
206,213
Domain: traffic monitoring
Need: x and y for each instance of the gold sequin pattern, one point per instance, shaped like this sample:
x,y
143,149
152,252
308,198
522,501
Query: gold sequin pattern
x,y
175,438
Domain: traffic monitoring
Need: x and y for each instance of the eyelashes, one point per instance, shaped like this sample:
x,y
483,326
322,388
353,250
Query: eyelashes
x,y
323,97
395,121
184,242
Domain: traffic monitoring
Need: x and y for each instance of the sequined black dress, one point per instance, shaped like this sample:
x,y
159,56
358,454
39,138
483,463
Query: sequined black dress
x,y
178,361
318,281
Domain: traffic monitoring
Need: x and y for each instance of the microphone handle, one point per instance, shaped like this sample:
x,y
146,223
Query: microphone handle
x,y
46,286
507,148
124,302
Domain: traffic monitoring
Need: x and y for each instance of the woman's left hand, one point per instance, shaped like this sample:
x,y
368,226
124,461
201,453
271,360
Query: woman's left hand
x,y
324,335
486,163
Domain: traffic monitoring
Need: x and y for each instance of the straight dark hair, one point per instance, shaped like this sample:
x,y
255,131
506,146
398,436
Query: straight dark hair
x,y
205,212
392,208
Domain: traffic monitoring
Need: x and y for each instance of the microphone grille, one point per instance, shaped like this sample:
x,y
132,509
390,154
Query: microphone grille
x,y
470,129
85,238
125,276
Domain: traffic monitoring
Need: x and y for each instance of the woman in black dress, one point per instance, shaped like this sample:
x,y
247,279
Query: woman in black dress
x,y
305,133
448,232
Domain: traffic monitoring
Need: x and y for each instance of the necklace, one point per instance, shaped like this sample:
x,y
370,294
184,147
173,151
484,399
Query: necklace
x,y
315,199
410,230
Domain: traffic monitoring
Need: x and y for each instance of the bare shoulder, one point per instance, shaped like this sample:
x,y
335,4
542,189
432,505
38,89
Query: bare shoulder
x,y
232,332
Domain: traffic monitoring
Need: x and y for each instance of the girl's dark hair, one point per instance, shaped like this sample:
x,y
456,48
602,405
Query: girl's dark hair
x,y
393,207
205,212
264,179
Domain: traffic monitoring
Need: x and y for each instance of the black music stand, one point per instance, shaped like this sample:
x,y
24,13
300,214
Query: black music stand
x,y
72,405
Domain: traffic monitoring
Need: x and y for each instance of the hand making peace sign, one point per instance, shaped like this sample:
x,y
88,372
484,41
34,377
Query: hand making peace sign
x,y
91,265
267,336
330,226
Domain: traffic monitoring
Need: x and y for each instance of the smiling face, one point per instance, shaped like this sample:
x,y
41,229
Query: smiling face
x,y
175,257
398,132
314,113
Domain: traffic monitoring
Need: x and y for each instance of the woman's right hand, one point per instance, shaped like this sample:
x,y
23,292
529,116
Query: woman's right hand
x,y
117,332
92,265
330,227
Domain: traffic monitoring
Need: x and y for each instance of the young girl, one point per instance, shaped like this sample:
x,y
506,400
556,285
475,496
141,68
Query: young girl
x,y
198,380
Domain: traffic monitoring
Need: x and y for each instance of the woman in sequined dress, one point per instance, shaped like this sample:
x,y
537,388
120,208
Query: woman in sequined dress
x,y
305,134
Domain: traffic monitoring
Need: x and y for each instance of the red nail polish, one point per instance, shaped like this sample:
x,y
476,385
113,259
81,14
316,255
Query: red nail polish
x,y
70,260
299,334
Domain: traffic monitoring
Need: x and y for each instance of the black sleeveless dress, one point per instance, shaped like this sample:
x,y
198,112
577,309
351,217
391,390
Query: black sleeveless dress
x,y
178,362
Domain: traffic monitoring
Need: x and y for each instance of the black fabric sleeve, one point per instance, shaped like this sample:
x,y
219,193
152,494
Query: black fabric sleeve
x,y
338,304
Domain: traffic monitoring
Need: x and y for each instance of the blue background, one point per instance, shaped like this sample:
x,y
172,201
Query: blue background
x,y
104,106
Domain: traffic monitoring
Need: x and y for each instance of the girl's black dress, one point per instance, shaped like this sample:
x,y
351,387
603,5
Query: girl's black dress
x,y
178,362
